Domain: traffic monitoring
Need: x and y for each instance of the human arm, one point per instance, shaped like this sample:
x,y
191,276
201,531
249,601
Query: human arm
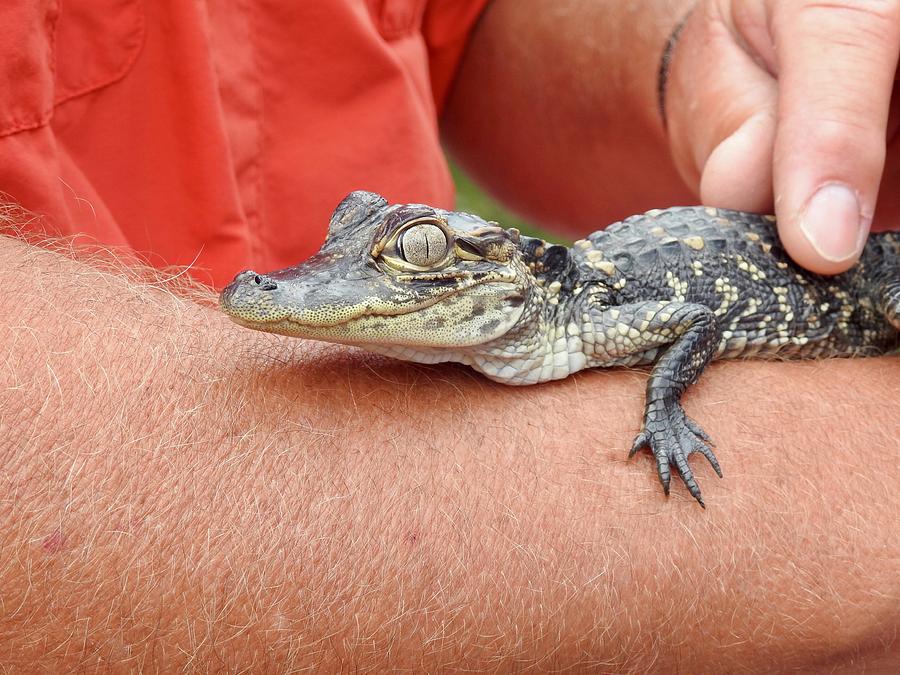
x,y
180,491
547,113
558,113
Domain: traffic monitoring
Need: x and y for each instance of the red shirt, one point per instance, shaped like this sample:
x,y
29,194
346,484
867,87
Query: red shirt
x,y
222,134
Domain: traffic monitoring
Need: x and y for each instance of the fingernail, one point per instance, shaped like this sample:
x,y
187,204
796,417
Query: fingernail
x,y
832,223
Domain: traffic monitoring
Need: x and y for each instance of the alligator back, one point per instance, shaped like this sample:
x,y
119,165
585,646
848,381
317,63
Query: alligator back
x,y
733,263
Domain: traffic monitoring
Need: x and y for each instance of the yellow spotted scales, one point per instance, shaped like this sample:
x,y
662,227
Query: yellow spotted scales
x,y
672,288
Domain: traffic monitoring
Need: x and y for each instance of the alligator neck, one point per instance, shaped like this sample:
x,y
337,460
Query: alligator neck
x,y
545,345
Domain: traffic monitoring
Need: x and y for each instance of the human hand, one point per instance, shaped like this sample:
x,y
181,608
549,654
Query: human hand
x,y
789,104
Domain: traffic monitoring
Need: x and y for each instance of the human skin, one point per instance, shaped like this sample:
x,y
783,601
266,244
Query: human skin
x,y
180,492
766,102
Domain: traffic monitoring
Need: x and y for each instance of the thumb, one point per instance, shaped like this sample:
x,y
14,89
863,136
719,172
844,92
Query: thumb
x,y
836,66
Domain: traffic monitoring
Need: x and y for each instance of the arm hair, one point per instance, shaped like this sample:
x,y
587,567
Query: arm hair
x,y
179,492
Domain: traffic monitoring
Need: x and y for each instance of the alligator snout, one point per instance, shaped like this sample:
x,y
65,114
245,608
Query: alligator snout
x,y
249,295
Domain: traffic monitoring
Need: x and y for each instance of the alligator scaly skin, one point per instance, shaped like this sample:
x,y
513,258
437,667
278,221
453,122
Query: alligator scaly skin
x,y
672,288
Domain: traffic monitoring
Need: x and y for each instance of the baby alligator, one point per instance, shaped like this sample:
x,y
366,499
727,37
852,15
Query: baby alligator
x,y
674,287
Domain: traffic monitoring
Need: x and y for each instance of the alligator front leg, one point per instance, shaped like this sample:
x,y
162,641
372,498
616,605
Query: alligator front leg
x,y
688,336
667,430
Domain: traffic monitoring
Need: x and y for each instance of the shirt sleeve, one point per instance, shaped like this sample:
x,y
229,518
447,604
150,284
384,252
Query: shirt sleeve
x,y
446,26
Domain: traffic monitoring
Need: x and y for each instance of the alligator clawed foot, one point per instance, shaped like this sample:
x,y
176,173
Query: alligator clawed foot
x,y
672,437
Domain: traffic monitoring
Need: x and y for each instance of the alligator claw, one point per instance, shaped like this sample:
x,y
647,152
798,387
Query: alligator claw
x,y
695,428
672,437
642,440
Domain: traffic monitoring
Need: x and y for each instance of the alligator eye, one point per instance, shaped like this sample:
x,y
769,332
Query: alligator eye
x,y
423,245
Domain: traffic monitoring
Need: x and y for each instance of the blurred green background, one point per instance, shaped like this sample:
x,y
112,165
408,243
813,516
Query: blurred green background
x,y
472,199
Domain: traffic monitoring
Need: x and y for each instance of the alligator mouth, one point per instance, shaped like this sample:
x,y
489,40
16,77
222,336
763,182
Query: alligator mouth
x,y
288,322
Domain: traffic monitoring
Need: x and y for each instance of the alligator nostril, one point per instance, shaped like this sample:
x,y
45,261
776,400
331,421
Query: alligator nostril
x,y
261,281
264,283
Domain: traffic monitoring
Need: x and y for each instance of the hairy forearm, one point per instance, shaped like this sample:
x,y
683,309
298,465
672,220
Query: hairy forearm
x,y
177,490
551,115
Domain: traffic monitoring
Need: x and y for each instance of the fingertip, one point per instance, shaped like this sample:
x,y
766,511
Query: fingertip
x,y
834,99
738,173
827,234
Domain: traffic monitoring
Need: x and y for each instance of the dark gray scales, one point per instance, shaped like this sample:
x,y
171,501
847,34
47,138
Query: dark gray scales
x,y
839,315
698,283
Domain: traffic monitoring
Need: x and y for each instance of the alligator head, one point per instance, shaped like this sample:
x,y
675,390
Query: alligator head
x,y
400,276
